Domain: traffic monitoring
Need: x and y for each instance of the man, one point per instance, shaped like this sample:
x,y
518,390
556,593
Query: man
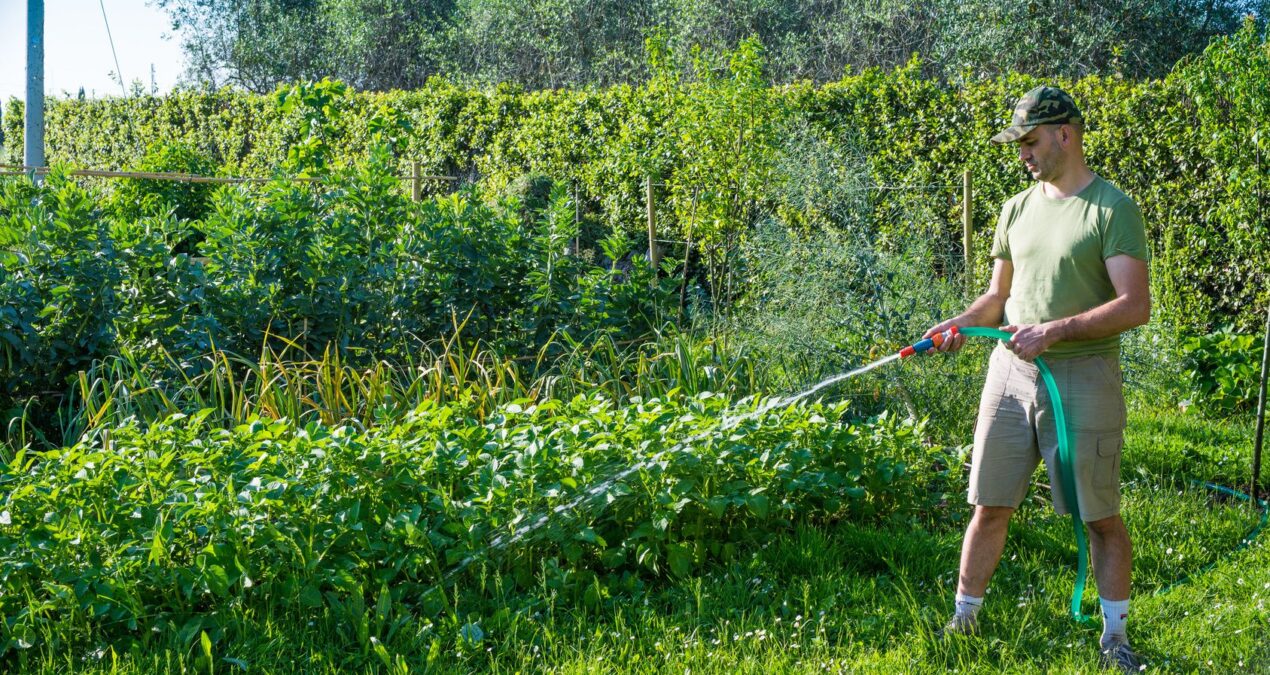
x,y
1070,275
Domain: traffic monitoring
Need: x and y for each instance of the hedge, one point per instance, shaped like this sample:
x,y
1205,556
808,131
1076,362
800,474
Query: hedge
x,y
1182,146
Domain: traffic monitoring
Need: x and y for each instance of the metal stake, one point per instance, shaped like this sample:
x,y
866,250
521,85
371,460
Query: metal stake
x,y
1254,489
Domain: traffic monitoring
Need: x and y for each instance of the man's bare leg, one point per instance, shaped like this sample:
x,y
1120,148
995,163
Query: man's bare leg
x,y
1112,555
981,549
980,552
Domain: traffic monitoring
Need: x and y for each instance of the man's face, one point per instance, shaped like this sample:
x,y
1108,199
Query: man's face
x,y
1041,152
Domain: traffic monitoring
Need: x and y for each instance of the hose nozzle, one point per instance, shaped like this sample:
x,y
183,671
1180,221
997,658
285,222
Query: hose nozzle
x,y
933,341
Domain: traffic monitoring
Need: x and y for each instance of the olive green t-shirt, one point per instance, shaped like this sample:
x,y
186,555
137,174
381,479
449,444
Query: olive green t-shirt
x,y
1058,248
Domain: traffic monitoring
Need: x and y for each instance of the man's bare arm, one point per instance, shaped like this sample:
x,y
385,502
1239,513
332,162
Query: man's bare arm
x,y
987,310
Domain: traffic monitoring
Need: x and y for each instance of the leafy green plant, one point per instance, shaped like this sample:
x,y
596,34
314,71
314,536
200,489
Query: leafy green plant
x,y
1222,370
318,108
134,198
163,530
59,287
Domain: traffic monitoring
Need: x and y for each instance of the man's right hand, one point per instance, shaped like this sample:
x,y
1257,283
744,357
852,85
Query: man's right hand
x,y
954,342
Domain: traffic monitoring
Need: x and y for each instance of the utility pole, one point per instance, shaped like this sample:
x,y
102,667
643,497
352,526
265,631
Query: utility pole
x,y
33,141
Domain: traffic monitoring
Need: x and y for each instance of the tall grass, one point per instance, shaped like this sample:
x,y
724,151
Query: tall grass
x,y
289,383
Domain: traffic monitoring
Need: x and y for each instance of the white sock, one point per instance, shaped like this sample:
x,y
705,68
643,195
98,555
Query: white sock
x,y
1115,614
967,607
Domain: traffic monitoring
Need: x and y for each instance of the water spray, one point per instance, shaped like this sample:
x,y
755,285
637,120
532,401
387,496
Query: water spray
x,y
1065,461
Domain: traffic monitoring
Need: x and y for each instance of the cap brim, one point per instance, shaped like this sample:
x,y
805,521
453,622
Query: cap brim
x,y
1013,133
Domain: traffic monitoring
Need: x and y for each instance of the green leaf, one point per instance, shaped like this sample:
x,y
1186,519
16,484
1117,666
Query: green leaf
x,y
679,558
758,504
471,634
717,505
158,552
310,596
381,652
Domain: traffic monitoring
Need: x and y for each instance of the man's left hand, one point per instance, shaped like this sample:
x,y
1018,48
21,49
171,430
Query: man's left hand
x,y
1030,340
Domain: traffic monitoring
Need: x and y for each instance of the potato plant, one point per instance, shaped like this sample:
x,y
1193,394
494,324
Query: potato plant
x,y
137,531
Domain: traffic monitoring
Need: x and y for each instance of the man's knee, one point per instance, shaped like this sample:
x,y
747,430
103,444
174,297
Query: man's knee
x,y
1110,527
992,517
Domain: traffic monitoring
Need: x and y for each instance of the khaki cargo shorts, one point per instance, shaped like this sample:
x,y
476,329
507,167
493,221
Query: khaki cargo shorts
x,y
1015,431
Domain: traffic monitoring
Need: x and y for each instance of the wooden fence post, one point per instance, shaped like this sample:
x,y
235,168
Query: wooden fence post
x,y
967,230
683,285
416,181
654,254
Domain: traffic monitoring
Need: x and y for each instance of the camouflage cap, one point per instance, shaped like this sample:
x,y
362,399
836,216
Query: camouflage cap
x,y
1042,105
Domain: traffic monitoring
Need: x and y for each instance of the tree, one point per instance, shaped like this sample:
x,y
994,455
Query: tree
x,y
398,44
259,44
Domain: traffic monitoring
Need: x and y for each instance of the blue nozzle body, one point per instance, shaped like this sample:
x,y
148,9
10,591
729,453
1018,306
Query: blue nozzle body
x,y
927,343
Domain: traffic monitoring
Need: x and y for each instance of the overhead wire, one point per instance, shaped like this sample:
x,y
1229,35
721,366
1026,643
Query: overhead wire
x,y
111,38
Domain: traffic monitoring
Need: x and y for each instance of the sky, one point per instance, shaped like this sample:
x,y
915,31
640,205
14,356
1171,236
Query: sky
x,y
77,50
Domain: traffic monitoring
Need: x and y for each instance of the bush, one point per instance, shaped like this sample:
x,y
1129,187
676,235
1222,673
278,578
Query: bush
x,y
721,148
59,282
77,285
1223,370
134,198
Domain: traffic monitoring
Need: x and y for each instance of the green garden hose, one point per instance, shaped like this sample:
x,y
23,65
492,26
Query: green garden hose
x,y
1065,467
1244,542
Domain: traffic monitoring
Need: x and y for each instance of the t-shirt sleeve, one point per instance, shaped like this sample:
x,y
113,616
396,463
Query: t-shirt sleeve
x,y
1000,242
1126,233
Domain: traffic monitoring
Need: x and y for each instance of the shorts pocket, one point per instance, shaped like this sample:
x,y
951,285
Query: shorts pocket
x,y
1093,397
1107,466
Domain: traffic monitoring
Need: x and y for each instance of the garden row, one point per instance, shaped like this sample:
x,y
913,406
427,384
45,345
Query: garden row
x,y
137,534
352,266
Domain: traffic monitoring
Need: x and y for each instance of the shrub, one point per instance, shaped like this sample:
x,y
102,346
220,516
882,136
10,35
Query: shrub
x,y
134,198
1223,370
59,282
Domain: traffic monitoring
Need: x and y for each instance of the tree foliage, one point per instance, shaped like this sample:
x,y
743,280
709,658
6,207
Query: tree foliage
x,y
398,44
259,44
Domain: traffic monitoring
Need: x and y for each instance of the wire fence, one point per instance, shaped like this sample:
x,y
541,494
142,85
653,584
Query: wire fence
x,y
20,170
